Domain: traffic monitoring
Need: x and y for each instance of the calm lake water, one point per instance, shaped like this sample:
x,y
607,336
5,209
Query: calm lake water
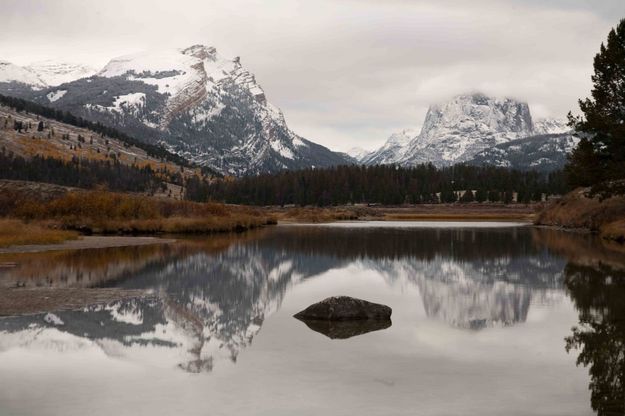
x,y
483,316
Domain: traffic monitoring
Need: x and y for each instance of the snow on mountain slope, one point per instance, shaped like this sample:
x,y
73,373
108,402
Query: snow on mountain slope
x,y
358,153
457,130
54,73
43,74
10,73
547,152
199,104
393,150
477,129
551,126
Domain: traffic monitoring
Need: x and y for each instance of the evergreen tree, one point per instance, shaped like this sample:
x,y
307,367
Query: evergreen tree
x,y
602,155
494,196
467,196
481,195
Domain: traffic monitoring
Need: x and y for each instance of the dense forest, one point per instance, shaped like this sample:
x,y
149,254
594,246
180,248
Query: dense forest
x,y
80,173
386,184
20,105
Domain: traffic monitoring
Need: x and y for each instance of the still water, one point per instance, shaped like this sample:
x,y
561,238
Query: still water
x,y
488,319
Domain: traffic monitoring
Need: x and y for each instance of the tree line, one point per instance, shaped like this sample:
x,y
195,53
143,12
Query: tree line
x,y
20,105
383,184
80,173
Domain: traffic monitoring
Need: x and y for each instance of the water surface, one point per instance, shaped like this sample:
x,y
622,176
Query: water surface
x,y
482,321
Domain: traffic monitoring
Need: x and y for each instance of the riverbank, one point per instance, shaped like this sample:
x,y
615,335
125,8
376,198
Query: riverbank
x,y
87,242
421,212
601,213
29,219
17,233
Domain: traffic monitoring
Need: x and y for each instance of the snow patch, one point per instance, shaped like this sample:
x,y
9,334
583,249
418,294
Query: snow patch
x,y
55,95
53,319
282,150
126,316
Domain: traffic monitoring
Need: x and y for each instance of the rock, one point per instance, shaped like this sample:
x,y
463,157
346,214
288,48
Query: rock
x,y
347,329
344,308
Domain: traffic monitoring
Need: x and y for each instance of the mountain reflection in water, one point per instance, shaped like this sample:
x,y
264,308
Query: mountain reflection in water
x,y
213,296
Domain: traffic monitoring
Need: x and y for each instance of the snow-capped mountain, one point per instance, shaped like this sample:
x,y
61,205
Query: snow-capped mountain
x,y
54,73
464,126
43,74
358,153
551,126
547,152
392,150
199,104
473,124
11,73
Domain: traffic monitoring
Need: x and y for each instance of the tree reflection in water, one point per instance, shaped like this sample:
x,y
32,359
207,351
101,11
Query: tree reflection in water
x,y
599,294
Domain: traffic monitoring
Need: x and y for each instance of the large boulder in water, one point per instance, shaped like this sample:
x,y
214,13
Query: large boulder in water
x,y
345,308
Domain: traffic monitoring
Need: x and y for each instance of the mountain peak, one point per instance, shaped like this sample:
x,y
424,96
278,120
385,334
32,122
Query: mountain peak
x,y
10,72
456,130
401,138
53,72
358,153
201,52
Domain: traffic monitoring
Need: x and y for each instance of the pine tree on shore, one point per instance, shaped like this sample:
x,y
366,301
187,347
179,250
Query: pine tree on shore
x,y
600,155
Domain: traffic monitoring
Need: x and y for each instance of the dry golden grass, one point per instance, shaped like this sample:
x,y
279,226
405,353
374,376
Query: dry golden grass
x,y
614,231
577,210
116,213
449,212
15,232
318,215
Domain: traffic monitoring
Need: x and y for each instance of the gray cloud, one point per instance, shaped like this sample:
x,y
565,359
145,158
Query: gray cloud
x,y
344,72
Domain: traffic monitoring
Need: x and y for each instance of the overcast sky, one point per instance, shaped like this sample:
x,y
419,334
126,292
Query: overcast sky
x,y
345,72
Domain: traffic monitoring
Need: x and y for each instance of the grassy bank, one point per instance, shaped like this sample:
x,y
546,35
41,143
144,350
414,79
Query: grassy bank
x,y
583,209
101,212
321,215
16,232
421,212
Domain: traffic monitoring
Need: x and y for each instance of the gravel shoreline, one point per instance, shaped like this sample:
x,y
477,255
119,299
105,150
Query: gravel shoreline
x,y
88,242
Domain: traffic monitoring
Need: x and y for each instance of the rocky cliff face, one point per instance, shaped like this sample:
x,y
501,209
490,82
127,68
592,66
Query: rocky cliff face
x,y
457,130
467,125
203,106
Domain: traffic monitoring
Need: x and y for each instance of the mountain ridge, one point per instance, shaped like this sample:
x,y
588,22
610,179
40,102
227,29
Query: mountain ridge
x,y
198,104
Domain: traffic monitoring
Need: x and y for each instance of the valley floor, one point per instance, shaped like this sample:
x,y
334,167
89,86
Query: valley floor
x,y
422,212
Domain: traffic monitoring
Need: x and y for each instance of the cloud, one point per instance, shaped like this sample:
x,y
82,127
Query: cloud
x,y
347,72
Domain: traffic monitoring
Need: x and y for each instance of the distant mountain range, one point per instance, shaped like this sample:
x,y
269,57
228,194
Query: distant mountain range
x,y
477,129
211,111
40,75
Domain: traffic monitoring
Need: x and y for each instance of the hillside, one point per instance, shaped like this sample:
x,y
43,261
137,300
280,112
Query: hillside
x,y
29,135
600,210
544,153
